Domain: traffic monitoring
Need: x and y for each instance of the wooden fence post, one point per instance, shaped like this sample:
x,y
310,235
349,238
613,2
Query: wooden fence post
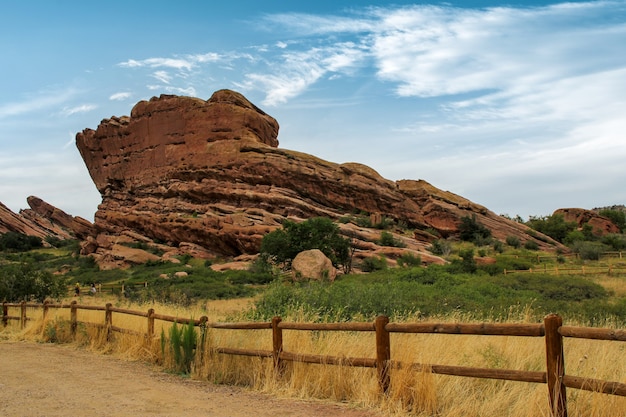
x,y
277,344
5,314
22,314
73,318
383,353
555,365
108,320
150,333
45,310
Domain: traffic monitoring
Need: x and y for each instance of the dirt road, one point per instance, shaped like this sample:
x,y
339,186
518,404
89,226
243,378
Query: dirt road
x,y
38,380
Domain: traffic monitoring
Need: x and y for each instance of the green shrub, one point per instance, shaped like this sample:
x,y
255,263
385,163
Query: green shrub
x,y
440,247
531,245
387,239
554,226
25,282
19,242
471,230
589,250
374,263
409,260
513,241
615,241
182,345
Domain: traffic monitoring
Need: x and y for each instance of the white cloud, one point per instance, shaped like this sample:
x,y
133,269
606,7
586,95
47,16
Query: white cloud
x,y
175,63
120,96
300,69
162,76
83,108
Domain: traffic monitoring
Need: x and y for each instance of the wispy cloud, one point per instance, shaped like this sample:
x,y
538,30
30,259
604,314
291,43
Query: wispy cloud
x,y
124,95
175,63
39,101
162,76
83,108
300,69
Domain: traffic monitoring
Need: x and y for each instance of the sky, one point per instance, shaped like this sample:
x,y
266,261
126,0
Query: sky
x,y
518,106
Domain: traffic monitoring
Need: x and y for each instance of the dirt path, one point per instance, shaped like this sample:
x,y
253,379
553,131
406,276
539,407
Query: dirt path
x,y
50,380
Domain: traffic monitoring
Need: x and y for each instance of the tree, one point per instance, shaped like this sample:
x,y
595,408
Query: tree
x,y
282,245
23,282
471,230
19,242
554,226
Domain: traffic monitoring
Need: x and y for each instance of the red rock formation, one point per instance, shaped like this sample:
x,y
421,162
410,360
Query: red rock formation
x,y
600,225
210,173
42,220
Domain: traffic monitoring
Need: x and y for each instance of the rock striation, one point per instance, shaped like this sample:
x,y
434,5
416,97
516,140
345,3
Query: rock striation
x,y
209,175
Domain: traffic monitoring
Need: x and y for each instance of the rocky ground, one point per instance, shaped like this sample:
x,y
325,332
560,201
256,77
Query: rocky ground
x,y
55,380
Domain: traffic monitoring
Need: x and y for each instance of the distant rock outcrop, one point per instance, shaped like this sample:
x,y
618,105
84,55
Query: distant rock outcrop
x,y
600,225
42,220
185,172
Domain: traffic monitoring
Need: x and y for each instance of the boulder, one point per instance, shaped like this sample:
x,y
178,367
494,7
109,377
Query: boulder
x,y
312,264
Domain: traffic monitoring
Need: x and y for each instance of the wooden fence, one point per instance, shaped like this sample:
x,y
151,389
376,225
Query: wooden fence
x,y
552,330
582,270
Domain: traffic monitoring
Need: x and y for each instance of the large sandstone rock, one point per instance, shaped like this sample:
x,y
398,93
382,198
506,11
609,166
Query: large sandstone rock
x,y
210,173
42,220
312,264
600,225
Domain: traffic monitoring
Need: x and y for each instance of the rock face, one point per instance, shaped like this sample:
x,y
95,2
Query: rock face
x,y
43,219
193,173
312,264
600,225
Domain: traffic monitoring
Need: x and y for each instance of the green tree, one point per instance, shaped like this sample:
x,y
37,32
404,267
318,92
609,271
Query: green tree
x,y
282,245
471,230
19,242
23,282
554,226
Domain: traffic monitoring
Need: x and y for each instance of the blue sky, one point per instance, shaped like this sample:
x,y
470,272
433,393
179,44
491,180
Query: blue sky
x,y
518,106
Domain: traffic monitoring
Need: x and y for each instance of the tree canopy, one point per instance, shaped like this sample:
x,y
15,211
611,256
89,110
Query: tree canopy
x,y
282,245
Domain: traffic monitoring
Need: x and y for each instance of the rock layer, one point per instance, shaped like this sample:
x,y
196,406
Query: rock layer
x,y
185,171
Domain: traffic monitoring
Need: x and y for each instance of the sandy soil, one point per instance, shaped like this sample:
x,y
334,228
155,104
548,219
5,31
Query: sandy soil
x,y
55,380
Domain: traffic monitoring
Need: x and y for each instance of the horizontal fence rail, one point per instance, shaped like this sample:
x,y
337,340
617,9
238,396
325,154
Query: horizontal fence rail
x,y
583,270
551,330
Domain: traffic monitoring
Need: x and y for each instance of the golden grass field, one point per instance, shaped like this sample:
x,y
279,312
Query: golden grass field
x,y
411,394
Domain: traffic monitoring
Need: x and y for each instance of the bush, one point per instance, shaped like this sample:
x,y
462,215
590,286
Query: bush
x,y
513,241
387,239
554,226
589,250
19,242
531,245
24,282
409,260
615,241
374,263
440,247
473,231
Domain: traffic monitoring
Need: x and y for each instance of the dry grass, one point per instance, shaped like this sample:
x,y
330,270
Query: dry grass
x,y
411,393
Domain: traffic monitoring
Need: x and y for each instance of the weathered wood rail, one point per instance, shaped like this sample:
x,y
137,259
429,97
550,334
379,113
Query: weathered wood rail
x,y
552,330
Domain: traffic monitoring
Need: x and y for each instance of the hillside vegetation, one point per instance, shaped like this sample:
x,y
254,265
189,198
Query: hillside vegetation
x,y
473,282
